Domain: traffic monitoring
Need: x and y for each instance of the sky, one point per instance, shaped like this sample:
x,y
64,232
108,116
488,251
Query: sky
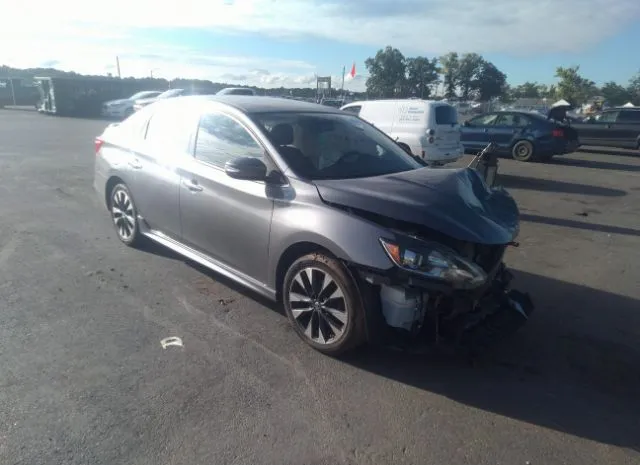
x,y
273,43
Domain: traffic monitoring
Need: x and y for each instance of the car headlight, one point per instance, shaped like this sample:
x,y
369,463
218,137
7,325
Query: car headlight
x,y
435,261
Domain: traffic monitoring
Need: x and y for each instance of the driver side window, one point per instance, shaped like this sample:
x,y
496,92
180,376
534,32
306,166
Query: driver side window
x,y
221,138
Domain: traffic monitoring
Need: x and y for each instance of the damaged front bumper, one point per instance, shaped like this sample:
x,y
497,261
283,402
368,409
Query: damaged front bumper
x,y
406,309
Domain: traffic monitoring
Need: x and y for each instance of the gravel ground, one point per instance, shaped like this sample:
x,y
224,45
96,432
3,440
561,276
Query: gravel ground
x,y
84,379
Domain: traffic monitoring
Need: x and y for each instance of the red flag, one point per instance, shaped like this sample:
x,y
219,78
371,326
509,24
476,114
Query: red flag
x,y
352,73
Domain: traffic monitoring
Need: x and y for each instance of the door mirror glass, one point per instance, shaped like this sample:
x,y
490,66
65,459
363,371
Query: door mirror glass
x,y
247,168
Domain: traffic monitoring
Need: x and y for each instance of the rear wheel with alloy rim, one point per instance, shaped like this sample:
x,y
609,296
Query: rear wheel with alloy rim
x,y
322,303
124,215
522,151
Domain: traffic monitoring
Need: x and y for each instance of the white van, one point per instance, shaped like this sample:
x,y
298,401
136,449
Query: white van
x,y
427,128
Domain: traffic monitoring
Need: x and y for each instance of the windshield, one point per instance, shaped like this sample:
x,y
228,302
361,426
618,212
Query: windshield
x,y
171,93
144,94
333,146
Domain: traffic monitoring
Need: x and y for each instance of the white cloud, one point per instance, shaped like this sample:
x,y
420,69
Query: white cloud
x,y
87,35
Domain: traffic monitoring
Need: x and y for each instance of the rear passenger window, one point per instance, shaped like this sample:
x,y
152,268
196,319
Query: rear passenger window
x,y
135,126
354,109
169,129
446,114
632,116
221,138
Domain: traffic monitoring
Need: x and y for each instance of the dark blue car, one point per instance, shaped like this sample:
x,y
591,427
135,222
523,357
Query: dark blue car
x,y
522,135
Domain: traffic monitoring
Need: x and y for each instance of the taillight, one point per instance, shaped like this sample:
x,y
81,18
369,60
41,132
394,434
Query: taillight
x,y
557,133
98,144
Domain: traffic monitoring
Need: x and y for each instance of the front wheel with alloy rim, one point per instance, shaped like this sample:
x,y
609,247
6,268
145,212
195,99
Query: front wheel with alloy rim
x,y
322,303
124,215
522,151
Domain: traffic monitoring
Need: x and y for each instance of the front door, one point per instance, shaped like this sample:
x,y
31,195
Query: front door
x,y
225,218
600,131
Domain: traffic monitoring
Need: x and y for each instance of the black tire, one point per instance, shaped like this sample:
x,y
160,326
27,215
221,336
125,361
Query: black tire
x,y
523,151
315,318
124,215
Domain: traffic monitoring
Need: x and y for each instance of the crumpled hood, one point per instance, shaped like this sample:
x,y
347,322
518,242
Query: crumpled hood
x,y
455,202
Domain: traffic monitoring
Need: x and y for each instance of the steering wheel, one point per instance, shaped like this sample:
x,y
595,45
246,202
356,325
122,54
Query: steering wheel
x,y
345,157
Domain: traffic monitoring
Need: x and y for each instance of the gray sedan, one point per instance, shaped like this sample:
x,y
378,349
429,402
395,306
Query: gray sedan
x,y
316,208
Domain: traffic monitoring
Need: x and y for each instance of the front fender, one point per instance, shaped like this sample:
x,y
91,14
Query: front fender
x,y
346,236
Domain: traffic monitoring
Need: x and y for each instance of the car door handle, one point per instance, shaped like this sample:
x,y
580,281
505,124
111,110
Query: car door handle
x,y
192,185
135,164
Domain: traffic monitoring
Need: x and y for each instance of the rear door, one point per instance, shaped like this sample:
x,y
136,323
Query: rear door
x,y
475,132
156,161
508,128
599,132
447,130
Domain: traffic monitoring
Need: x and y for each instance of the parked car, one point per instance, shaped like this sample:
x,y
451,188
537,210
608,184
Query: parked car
x,y
424,128
122,108
616,127
318,209
171,93
526,136
236,91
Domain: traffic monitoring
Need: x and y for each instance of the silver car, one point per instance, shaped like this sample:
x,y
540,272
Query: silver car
x,y
318,209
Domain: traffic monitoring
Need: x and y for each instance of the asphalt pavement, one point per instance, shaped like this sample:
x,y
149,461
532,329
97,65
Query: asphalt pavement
x,y
84,378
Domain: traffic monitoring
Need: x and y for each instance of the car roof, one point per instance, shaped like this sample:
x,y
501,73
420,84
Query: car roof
x,y
251,104
404,100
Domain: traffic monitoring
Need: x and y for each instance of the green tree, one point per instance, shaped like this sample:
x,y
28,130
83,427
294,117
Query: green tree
x,y
527,90
469,69
634,89
422,75
450,66
615,94
573,87
490,82
387,73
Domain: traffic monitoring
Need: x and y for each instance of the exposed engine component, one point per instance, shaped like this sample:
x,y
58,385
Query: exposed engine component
x,y
403,308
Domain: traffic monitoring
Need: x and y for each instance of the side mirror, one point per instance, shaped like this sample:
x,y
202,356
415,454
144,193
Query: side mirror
x,y
246,168
466,124
404,147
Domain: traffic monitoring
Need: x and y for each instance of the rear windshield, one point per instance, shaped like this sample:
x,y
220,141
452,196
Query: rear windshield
x,y
446,114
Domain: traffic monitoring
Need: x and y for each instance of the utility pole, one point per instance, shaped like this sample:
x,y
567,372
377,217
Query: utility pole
x,y
118,66
344,69
13,91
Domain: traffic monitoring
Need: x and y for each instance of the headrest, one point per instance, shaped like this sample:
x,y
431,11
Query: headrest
x,y
282,134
